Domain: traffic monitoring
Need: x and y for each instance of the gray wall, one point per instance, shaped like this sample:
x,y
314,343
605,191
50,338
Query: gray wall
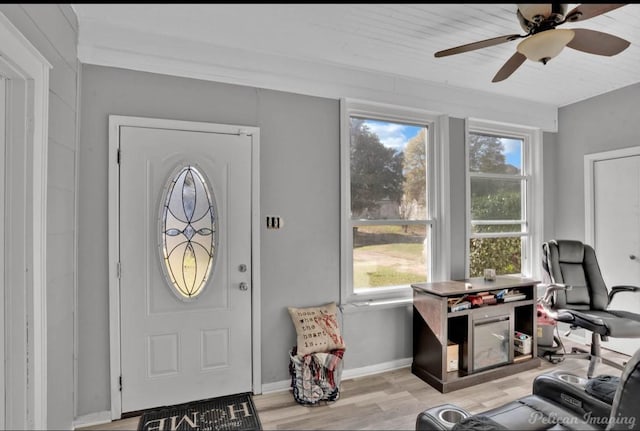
x,y
300,181
299,177
458,204
607,122
375,336
299,139
53,30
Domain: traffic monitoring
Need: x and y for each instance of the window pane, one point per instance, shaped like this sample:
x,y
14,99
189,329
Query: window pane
x,y
503,254
389,255
388,170
187,232
492,154
492,228
496,199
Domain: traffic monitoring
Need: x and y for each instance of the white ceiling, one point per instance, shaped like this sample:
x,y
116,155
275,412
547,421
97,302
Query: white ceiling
x,y
389,39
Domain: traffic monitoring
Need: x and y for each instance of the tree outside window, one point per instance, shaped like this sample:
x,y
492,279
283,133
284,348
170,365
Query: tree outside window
x,y
388,195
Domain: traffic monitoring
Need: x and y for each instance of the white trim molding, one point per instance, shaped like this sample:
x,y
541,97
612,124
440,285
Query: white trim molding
x,y
442,198
351,373
133,49
3,227
21,61
93,419
439,249
117,121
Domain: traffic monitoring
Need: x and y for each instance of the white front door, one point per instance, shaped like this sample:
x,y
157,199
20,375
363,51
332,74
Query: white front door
x,y
617,234
175,350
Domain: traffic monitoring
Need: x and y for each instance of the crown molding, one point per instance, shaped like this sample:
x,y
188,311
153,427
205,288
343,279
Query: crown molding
x,y
132,49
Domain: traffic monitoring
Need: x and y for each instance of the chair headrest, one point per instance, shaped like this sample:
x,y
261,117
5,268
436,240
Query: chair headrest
x,y
570,251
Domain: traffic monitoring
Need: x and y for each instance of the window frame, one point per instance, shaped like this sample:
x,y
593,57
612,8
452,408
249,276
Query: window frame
x,y
437,171
532,206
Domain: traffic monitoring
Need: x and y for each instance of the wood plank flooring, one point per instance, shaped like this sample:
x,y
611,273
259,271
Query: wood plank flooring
x,y
392,400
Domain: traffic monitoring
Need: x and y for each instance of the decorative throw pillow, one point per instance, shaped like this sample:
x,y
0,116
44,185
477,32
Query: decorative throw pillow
x,y
317,328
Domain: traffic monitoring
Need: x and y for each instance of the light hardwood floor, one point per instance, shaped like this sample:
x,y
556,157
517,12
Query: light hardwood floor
x,y
392,400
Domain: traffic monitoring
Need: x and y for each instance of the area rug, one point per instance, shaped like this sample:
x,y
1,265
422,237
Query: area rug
x,y
229,413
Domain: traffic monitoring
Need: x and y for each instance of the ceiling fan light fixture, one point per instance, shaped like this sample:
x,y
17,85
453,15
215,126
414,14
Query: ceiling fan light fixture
x,y
535,12
545,45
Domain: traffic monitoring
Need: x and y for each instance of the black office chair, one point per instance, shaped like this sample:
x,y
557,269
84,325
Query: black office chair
x,y
577,295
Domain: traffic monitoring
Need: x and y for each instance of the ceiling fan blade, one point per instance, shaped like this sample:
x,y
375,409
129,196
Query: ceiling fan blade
x,y
590,10
597,42
478,45
509,67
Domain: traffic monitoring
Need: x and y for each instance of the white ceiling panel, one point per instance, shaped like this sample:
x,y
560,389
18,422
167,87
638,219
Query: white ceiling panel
x,y
389,39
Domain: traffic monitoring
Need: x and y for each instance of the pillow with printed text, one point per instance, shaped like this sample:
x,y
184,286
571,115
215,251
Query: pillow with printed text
x,y
317,328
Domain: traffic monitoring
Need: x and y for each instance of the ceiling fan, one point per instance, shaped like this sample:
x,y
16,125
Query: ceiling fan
x,y
543,40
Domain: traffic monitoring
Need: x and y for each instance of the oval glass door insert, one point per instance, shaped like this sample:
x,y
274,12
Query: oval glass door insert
x,y
188,232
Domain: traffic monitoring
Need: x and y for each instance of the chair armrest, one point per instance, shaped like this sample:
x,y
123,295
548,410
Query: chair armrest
x,y
440,418
618,289
550,290
571,396
585,317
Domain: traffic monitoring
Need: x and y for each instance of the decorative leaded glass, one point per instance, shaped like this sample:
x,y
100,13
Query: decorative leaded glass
x,y
188,232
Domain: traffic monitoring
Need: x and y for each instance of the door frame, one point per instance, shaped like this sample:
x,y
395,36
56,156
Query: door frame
x,y
26,160
589,198
3,283
589,186
117,121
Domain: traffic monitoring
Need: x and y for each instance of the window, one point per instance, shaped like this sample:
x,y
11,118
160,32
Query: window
x,y
187,232
389,205
504,209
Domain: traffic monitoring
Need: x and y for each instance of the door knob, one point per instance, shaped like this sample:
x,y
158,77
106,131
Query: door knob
x,y
244,286
632,256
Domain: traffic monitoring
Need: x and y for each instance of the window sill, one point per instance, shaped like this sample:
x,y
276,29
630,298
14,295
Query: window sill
x,y
375,304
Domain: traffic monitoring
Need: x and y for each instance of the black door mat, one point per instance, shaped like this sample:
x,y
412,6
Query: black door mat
x,y
228,413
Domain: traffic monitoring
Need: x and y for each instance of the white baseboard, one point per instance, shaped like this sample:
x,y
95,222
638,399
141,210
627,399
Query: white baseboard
x,y
282,385
351,373
98,418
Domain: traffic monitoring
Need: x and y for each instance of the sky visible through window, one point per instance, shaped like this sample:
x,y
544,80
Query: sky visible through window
x,y
393,135
396,136
513,151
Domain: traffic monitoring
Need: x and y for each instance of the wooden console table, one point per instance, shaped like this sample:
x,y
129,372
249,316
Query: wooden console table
x,y
484,334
